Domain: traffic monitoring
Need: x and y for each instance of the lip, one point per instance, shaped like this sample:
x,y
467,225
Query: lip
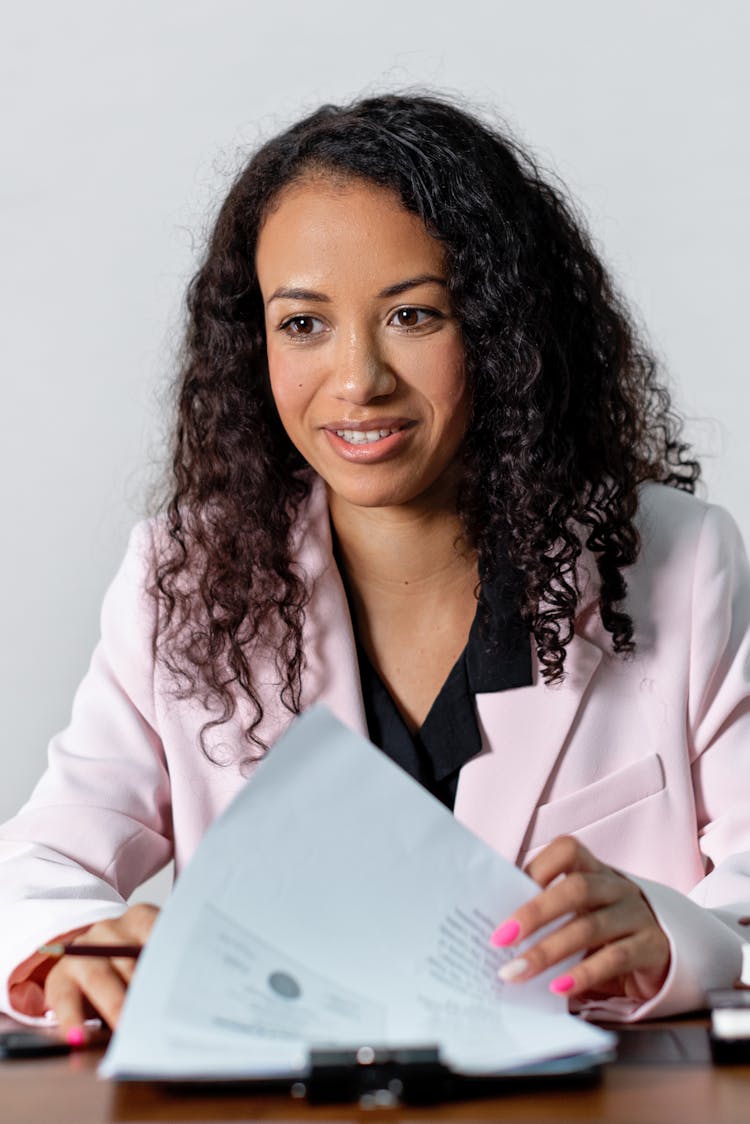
x,y
370,423
375,451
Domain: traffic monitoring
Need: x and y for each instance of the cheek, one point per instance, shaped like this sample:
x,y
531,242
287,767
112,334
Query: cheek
x,y
449,384
288,387
451,398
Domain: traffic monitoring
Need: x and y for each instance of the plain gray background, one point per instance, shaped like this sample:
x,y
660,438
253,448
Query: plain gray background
x,y
121,126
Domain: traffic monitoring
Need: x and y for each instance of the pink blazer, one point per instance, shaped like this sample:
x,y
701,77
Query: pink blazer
x,y
646,760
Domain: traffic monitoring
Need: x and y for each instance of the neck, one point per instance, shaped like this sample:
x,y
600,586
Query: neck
x,y
409,550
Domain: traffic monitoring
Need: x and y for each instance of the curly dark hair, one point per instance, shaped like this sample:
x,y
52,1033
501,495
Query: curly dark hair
x,y
568,417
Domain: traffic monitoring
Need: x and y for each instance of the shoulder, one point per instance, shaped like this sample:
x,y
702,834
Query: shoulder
x,y
691,577
676,526
664,510
686,545
133,601
128,610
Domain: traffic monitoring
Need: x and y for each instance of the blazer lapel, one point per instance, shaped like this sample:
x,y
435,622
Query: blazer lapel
x,y
331,674
524,731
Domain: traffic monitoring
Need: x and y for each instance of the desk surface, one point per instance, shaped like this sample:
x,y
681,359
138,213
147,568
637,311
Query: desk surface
x,y
664,1073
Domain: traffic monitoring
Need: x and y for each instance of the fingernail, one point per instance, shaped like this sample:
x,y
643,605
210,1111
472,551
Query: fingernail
x,y
562,984
513,969
506,933
75,1036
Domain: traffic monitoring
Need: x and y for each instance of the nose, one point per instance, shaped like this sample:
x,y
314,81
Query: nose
x,y
362,372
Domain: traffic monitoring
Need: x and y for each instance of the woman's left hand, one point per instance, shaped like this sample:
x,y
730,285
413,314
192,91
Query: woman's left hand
x,y
625,952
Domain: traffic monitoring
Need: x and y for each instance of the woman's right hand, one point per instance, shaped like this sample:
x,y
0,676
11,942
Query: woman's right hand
x,y
78,987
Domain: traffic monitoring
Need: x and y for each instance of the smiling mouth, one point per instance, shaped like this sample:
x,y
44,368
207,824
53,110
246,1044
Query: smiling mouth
x,y
365,436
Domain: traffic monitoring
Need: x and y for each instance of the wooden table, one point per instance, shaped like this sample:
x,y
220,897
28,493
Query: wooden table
x,y
663,1075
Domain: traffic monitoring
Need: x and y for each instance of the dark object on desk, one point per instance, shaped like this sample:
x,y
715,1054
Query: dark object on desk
x,y
730,1026
375,1077
664,1044
28,1044
378,1078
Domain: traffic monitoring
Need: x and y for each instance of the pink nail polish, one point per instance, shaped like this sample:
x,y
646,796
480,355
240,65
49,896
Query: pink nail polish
x,y
75,1036
506,933
562,984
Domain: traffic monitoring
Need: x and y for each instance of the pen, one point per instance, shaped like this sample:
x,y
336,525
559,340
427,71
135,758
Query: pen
x,y
59,948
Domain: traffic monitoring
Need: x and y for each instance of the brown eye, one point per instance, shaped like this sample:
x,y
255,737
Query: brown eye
x,y
298,326
409,317
413,317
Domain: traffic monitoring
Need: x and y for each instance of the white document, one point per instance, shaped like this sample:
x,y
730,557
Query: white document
x,y
336,903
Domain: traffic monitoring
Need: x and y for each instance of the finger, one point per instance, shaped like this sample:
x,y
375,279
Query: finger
x,y
63,996
125,967
585,932
75,984
82,984
133,927
576,893
139,921
640,953
102,987
563,855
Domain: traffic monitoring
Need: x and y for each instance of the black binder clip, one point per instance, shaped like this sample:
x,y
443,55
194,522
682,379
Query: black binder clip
x,y
374,1077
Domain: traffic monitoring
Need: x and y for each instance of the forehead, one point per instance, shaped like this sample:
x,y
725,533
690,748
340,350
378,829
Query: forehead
x,y
326,228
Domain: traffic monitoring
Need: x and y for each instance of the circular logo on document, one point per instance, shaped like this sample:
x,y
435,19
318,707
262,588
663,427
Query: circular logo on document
x,y
284,985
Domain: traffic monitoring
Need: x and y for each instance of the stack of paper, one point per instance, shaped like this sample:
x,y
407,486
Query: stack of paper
x,y
336,902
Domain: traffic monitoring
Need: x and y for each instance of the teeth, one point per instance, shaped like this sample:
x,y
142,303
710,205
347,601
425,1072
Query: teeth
x,y
364,437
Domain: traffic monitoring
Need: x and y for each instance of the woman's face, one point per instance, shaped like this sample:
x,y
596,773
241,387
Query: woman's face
x,y
365,356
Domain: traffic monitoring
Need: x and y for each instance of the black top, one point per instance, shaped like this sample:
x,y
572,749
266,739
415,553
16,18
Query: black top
x,y
497,657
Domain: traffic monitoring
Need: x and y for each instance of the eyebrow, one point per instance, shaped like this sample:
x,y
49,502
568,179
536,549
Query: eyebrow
x,y
294,294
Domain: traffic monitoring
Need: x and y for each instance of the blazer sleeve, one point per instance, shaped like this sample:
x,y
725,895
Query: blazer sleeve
x,y
707,927
98,822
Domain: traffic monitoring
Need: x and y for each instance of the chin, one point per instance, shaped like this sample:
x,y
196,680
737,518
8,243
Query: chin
x,y
375,486
371,494
372,497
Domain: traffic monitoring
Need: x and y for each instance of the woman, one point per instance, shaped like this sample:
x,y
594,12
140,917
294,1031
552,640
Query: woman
x,y
423,471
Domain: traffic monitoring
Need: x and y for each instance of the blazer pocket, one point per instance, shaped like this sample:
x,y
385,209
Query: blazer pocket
x,y
613,793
